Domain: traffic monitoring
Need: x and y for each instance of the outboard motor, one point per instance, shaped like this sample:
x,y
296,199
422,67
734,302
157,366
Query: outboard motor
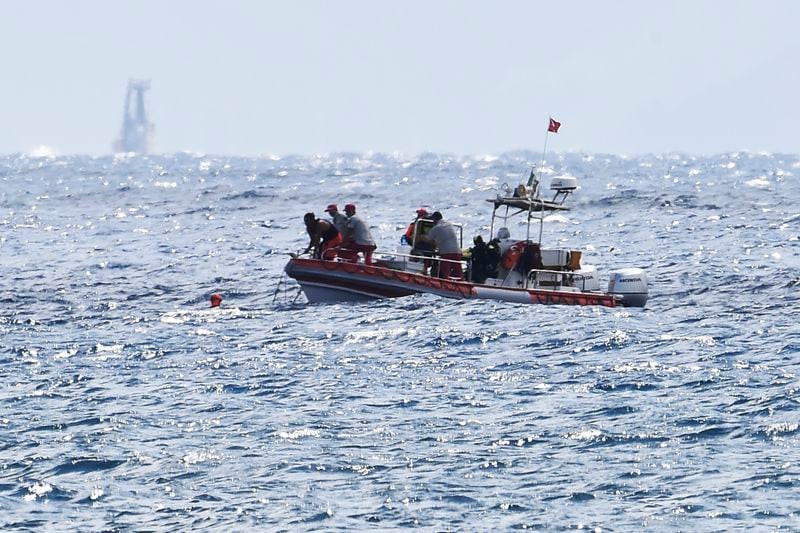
x,y
631,284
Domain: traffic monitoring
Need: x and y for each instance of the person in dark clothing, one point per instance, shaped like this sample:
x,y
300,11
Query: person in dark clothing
x,y
483,259
494,258
323,237
531,258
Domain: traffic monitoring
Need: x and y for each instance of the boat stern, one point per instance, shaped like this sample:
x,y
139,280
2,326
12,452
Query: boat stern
x,y
630,284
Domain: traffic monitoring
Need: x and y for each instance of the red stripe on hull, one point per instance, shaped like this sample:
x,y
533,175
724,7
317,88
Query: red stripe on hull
x,y
382,282
560,298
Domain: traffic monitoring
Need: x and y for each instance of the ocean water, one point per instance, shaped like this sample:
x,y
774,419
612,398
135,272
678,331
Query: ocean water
x,y
128,404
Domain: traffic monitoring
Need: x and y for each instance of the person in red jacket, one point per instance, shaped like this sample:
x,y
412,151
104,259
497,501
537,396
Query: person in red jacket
x,y
408,236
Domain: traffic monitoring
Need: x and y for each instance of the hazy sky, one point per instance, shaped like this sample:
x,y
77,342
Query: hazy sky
x,y
464,77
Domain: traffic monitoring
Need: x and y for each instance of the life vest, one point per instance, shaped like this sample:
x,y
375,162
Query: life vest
x,y
522,254
511,256
409,235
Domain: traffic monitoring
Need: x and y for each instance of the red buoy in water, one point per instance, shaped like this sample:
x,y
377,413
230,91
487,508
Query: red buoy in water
x,y
216,299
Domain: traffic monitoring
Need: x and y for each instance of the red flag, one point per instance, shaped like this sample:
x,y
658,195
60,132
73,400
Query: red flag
x,y
553,126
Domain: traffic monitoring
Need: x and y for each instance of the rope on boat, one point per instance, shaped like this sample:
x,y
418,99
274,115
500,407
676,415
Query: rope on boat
x,y
285,288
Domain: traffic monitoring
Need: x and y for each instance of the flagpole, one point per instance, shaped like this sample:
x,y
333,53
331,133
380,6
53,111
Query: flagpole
x,y
541,169
533,181
544,151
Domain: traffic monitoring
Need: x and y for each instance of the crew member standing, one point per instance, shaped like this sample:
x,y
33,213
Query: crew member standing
x,y
444,236
358,238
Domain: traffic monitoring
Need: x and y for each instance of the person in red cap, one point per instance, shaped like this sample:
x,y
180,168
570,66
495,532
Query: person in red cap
x,y
415,236
357,237
409,237
339,220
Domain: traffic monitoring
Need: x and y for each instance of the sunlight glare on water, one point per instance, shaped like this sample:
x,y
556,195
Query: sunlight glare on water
x,y
129,403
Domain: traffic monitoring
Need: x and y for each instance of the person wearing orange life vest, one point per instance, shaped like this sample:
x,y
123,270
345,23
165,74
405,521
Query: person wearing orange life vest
x,y
420,246
408,236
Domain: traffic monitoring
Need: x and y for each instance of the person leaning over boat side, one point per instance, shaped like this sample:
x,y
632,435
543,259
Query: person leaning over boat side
x,y
324,237
339,220
358,237
444,236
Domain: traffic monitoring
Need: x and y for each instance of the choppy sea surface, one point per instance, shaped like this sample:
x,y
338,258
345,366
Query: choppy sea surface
x,y
126,403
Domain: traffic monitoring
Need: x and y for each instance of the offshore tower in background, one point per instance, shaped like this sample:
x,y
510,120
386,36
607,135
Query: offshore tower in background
x,y
137,133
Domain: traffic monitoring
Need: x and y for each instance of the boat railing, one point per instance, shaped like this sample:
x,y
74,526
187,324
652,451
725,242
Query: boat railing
x,y
403,258
556,279
433,261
